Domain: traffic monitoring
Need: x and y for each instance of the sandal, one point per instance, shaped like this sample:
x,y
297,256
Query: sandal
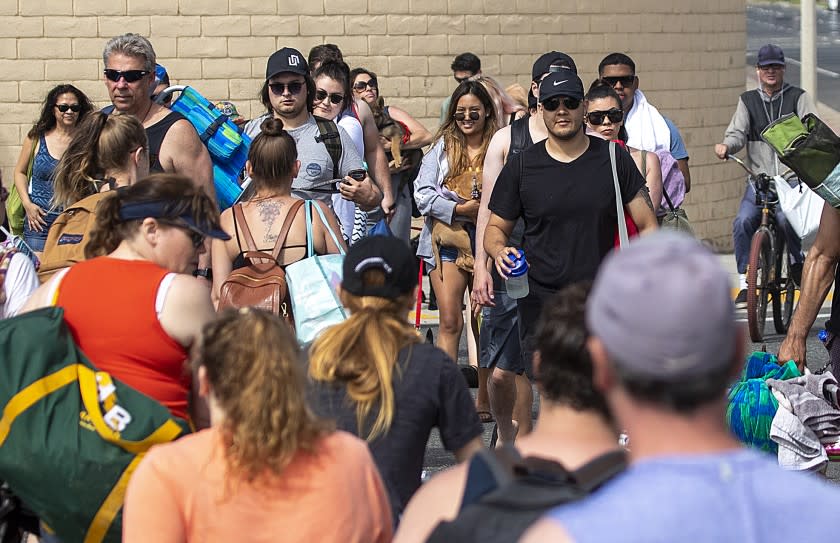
x,y
485,417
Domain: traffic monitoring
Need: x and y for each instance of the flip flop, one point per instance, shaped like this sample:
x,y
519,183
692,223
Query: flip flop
x,y
486,417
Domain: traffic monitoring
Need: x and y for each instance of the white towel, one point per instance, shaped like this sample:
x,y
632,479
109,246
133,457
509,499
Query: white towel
x,y
646,128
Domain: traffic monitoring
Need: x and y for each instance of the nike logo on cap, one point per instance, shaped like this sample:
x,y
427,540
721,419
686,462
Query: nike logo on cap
x,y
559,82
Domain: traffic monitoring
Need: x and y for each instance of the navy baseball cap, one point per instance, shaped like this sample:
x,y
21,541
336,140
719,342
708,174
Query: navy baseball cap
x,y
770,55
561,83
286,59
550,62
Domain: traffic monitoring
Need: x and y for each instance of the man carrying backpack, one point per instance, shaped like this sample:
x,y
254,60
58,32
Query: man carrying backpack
x,y
325,151
665,348
490,503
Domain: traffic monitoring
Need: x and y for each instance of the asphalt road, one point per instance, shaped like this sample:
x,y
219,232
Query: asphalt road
x,y
780,24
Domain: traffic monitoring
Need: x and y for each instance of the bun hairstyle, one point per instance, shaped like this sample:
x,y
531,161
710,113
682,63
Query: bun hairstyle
x,y
272,155
178,191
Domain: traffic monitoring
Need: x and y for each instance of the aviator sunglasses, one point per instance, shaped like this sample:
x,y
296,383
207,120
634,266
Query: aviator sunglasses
x,y
551,104
130,76
335,98
362,85
625,80
279,88
461,116
596,118
75,108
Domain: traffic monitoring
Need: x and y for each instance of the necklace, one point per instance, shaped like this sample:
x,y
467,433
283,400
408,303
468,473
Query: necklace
x,y
143,120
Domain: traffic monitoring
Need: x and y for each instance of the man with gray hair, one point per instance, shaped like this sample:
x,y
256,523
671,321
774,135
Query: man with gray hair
x,y
664,355
174,145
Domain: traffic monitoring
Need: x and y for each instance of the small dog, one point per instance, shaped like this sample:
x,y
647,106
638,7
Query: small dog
x,y
391,130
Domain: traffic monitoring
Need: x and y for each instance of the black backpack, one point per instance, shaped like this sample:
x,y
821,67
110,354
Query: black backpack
x,y
505,493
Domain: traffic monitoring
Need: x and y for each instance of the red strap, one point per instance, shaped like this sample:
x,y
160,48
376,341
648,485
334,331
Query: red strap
x,y
419,296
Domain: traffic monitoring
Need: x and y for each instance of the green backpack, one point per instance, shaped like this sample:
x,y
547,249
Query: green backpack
x,y
70,436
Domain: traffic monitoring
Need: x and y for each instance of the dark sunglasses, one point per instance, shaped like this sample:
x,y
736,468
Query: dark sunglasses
x,y
551,104
130,76
362,85
625,80
461,116
279,88
75,108
596,118
335,98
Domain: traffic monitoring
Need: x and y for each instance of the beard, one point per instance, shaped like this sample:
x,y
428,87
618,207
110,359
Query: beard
x,y
567,133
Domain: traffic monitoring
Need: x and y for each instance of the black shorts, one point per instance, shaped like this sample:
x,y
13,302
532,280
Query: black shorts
x,y
529,309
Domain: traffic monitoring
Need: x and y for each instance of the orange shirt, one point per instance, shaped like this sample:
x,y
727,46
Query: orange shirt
x,y
178,495
109,306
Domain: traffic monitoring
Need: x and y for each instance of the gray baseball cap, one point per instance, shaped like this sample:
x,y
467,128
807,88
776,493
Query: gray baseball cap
x,y
663,309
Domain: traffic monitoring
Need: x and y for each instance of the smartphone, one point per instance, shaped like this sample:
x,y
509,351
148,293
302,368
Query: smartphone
x,y
358,175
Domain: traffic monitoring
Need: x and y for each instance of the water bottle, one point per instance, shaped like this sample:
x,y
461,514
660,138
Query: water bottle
x,y
517,280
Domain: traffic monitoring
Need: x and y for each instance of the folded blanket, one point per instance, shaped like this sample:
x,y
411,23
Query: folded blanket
x,y
799,448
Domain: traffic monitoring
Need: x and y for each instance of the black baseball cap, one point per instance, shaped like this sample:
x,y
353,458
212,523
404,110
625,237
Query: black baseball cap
x,y
550,62
387,253
561,83
286,59
770,55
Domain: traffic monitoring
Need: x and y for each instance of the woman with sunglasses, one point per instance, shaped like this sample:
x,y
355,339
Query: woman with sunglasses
x,y
605,118
448,190
134,306
64,108
366,87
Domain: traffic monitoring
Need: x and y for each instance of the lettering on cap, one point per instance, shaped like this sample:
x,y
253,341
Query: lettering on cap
x,y
294,60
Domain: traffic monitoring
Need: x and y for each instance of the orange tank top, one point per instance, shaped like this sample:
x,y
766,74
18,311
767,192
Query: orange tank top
x,y
109,306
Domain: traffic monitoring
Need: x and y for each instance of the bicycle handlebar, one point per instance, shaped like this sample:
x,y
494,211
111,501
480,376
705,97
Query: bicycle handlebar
x,y
741,162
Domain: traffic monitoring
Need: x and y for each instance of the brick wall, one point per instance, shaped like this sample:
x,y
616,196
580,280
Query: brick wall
x,y
689,55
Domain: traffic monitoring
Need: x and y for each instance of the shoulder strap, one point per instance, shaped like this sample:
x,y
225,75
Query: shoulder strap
x,y
519,135
310,250
239,218
284,230
331,139
32,152
601,469
619,205
487,471
668,199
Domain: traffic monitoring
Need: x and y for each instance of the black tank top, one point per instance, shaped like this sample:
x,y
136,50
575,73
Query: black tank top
x,y
156,133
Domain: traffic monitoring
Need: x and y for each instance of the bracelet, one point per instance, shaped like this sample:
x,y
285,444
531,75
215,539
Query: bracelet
x,y
206,273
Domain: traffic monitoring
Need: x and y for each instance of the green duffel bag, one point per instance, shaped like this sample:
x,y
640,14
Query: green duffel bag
x,y
70,436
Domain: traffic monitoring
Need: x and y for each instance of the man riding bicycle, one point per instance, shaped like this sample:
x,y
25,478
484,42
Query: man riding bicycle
x,y
756,110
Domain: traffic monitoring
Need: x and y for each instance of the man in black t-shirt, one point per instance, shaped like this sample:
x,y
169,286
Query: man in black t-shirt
x,y
563,189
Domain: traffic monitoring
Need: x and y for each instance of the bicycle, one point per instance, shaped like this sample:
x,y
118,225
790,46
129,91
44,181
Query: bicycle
x,y
769,269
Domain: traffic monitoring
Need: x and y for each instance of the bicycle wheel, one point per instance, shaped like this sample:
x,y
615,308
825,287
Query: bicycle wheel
x,y
784,289
758,279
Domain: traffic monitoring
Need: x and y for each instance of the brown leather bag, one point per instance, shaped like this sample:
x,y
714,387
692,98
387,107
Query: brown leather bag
x,y
262,283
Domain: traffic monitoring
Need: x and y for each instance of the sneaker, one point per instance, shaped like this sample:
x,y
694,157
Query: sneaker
x,y
741,299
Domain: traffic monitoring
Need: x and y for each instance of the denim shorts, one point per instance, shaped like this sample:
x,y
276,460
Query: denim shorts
x,y
499,336
448,254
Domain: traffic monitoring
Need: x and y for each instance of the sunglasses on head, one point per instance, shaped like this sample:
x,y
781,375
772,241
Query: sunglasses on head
x,y
75,108
362,85
462,116
130,76
279,88
615,115
551,104
335,97
625,80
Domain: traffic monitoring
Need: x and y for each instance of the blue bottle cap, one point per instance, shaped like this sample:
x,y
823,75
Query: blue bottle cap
x,y
520,265
823,335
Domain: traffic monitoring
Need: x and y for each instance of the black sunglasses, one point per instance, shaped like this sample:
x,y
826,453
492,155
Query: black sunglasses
x,y
130,76
625,80
596,118
362,85
279,88
551,104
472,115
75,108
335,97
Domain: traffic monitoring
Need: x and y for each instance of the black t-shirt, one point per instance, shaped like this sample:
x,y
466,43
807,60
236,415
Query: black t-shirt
x,y
568,208
429,392
833,322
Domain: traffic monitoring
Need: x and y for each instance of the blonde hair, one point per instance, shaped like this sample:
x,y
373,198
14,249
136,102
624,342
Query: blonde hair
x,y
253,365
361,353
102,143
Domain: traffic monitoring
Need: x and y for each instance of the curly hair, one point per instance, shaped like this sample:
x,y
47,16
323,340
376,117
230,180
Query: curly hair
x,y
252,362
180,193
46,120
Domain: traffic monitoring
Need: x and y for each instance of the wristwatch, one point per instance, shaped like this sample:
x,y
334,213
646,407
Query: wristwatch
x,y
206,273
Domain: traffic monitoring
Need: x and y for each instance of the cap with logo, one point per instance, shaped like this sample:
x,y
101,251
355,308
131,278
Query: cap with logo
x,y
387,253
663,309
550,62
286,59
561,83
770,55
